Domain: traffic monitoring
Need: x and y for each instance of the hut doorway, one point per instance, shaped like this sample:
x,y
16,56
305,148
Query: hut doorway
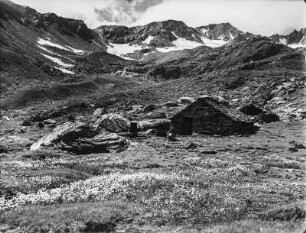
x,y
187,126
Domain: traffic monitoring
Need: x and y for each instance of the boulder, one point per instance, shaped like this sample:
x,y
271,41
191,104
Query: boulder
x,y
301,113
112,123
3,149
297,145
186,100
72,130
81,138
191,145
251,110
101,143
41,125
27,123
98,112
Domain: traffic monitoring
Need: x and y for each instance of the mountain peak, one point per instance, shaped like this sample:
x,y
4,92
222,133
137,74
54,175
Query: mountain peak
x,y
294,39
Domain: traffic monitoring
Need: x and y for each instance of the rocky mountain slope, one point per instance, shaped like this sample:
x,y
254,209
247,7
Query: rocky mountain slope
x,y
37,47
39,50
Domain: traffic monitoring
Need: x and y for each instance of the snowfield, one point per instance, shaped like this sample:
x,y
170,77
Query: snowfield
x,y
123,49
180,44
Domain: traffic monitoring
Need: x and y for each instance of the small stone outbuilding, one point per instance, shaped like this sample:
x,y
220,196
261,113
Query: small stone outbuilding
x,y
209,116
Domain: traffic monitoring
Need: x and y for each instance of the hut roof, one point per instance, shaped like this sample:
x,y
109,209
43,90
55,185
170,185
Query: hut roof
x,y
214,103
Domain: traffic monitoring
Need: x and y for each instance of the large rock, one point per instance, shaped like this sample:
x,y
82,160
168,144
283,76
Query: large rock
x,y
72,130
81,138
112,123
101,143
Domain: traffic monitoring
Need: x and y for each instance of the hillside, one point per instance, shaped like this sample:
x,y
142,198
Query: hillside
x,y
38,48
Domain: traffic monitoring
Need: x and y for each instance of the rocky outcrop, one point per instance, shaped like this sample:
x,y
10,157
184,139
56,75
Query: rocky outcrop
x,y
222,31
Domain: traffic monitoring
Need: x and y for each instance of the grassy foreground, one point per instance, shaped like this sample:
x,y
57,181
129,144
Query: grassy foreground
x,y
196,184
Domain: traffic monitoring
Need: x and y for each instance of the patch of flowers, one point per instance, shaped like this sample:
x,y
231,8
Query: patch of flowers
x,y
39,181
214,168
96,188
275,160
20,164
169,196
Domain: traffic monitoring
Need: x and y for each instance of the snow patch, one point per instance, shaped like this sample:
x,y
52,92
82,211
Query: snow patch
x,y
294,46
49,43
64,70
283,41
77,51
57,61
148,40
173,33
301,44
221,37
204,31
98,44
213,43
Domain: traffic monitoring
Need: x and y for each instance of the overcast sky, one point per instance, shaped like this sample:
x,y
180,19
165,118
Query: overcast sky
x,y
264,17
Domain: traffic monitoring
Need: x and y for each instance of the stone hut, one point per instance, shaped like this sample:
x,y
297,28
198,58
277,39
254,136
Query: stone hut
x,y
209,116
